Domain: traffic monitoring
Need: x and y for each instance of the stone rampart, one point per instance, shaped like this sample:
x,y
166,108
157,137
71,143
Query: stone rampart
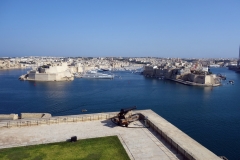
x,y
184,144
177,139
8,116
35,115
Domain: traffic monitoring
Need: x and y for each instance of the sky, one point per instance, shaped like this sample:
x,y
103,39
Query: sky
x,y
120,28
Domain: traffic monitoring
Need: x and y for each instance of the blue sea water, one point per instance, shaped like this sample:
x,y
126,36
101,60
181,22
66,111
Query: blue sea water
x,y
209,115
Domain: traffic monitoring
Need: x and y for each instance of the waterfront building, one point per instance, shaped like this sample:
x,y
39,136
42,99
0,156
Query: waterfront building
x,y
12,64
185,75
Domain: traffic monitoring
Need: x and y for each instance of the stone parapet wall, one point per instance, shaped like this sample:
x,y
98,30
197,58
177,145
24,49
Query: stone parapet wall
x,y
8,116
35,115
184,144
31,119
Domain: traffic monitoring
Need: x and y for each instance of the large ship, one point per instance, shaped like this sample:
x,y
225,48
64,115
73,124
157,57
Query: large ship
x,y
96,75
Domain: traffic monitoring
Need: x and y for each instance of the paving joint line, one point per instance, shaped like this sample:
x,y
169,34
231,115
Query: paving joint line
x,y
131,156
152,135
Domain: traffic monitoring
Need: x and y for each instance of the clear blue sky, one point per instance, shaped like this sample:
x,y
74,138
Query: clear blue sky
x,y
169,28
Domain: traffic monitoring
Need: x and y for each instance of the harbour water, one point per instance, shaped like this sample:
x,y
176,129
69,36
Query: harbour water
x,y
209,115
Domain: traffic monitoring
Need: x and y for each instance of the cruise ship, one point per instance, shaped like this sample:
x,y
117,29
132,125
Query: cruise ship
x,y
96,75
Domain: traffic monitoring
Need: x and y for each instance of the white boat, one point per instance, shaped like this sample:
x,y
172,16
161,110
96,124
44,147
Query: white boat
x,y
96,75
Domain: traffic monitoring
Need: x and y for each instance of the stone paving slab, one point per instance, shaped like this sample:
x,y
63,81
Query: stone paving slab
x,y
139,142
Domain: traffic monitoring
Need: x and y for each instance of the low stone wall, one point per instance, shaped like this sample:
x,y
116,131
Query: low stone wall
x,y
35,115
177,139
30,121
8,116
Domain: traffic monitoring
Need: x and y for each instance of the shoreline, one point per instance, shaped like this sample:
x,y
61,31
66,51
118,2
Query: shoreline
x,y
193,83
13,68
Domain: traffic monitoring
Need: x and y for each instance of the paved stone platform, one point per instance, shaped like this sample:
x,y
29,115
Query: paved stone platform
x,y
189,147
161,141
139,142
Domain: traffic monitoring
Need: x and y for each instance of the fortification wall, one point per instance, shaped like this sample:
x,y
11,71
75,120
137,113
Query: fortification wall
x,y
42,77
53,77
31,76
200,79
209,80
35,115
191,77
148,72
8,116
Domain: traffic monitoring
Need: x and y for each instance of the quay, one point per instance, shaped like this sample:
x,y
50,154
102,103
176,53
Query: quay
x,y
193,83
152,137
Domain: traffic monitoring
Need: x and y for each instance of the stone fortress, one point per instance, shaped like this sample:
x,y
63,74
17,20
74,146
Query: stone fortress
x,y
50,72
183,72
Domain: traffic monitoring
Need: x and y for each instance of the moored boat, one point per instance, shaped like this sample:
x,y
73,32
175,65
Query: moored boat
x,y
96,75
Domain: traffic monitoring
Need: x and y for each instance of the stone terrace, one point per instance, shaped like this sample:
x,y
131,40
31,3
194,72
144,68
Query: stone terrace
x,y
140,142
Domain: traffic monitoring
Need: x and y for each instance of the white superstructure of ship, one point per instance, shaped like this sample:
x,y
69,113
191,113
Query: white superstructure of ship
x,y
96,75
